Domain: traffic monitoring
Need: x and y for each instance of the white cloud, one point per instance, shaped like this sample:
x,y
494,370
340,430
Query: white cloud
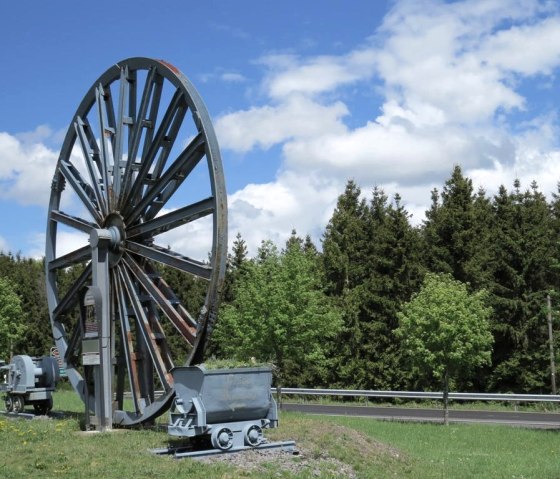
x,y
41,133
4,246
536,48
451,77
193,240
266,126
232,77
290,74
66,242
272,210
25,170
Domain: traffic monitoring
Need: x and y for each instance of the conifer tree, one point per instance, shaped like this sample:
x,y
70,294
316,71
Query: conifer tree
x,y
522,274
344,261
235,262
344,242
449,229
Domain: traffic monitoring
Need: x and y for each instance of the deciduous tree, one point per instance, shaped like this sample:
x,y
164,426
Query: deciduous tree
x,y
280,314
12,325
445,331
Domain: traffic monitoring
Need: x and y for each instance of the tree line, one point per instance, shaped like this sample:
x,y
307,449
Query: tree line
x,y
327,317
373,261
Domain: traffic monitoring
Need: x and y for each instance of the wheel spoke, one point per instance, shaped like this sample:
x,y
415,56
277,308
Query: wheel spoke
x,y
177,104
168,293
132,93
72,221
123,120
76,256
150,91
162,189
127,343
155,323
82,189
170,258
172,220
72,296
154,111
188,332
145,330
104,105
169,141
90,151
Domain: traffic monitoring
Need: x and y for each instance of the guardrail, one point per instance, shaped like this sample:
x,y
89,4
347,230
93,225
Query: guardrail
x,y
410,395
421,395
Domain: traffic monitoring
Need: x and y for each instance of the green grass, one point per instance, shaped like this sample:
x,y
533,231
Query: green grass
x,y
373,449
468,450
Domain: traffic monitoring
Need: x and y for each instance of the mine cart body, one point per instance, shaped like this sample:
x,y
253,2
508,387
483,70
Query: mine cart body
x,y
229,406
30,381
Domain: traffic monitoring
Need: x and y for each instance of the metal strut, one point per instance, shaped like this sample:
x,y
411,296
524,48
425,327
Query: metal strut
x,y
101,240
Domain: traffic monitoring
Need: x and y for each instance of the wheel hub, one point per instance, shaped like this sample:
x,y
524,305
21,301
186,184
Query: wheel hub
x,y
114,223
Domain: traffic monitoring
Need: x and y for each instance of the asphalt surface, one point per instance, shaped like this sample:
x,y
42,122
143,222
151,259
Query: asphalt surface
x,y
526,419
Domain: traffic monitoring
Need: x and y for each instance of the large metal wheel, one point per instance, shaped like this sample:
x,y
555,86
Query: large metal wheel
x,y
140,158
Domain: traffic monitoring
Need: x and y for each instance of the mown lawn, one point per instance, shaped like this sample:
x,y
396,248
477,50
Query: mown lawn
x,y
330,447
468,450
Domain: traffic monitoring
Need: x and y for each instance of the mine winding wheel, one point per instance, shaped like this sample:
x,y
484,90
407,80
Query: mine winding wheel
x,y
139,164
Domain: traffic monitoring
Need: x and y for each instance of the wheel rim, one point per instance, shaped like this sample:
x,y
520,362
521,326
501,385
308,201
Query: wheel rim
x,y
134,159
9,404
18,404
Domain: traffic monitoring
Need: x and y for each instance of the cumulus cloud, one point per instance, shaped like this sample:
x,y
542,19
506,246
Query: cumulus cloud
x,y
289,74
4,246
451,76
453,79
193,240
66,242
24,166
272,210
232,77
297,117
536,47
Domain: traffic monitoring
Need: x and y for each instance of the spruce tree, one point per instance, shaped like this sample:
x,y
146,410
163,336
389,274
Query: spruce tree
x,y
235,262
345,264
449,229
522,275
344,242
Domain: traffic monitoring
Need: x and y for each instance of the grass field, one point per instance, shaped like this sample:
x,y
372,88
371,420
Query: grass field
x,y
331,447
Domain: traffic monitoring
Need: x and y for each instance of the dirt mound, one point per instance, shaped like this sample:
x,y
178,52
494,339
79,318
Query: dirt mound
x,y
323,449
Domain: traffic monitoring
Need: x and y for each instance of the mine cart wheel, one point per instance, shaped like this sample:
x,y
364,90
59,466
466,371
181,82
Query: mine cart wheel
x,y
140,158
18,404
222,438
9,403
253,435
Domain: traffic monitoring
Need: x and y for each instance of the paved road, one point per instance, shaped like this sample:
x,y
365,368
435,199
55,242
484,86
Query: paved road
x,y
528,419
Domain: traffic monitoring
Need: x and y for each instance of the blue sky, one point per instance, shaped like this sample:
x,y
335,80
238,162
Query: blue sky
x,y
304,95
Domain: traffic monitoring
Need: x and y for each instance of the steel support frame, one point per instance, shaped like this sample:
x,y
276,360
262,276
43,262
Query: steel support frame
x,y
100,242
